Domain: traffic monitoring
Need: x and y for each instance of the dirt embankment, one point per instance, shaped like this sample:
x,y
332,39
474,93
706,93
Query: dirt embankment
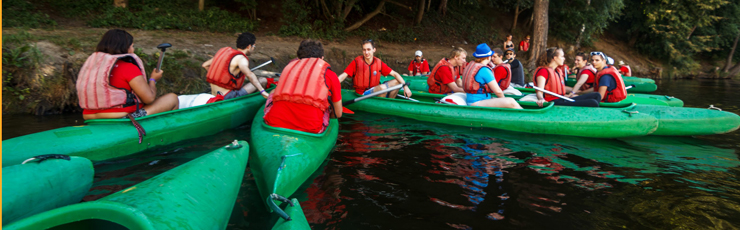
x,y
65,49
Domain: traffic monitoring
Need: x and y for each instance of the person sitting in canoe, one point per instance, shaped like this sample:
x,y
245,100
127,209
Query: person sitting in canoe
x,y
113,83
366,71
517,70
608,81
479,82
306,108
445,76
418,66
625,69
585,75
231,67
545,77
502,72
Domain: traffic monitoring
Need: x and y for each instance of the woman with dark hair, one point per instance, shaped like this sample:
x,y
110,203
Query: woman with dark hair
x,y
113,84
585,74
546,78
509,44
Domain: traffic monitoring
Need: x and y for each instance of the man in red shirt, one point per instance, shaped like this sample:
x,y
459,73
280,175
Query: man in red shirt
x,y
231,66
419,65
625,69
502,73
524,45
366,71
445,78
307,108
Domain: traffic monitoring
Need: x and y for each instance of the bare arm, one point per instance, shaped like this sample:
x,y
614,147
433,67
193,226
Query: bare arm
x,y
406,90
244,68
342,76
455,88
581,80
338,108
207,64
146,90
493,85
602,91
540,94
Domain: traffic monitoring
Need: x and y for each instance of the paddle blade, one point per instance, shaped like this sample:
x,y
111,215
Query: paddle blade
x,y
347,111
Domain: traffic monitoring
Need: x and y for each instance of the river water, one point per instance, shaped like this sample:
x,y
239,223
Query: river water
x,y
396,173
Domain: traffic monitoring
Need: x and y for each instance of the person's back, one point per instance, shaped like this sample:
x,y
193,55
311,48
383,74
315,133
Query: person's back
x,y
305,100
229,68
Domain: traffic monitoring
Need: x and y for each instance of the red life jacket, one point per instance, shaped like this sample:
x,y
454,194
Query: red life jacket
x,y
562,70
619,93
553,83
303,82
417,66
468,78
219,74
504,81
590,81
93,83
628,71
366,76
435,84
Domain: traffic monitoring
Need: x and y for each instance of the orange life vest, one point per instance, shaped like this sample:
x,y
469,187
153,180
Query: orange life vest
x,y
468,78
219,74
435,84
503,81
563,70
366,76
590,81
304,82
617,94
93,83
553,83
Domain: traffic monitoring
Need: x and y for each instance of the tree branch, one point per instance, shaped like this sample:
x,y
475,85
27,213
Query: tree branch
x,y
399,4
367,17
732,52
348,8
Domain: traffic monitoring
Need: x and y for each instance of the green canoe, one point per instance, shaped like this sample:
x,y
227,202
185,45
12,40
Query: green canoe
x,y
283,159
197,195
622,121
104,139
641,85
420,84
681,121
298,219
36,187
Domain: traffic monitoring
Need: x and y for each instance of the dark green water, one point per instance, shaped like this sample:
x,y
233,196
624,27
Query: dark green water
x,y
394,173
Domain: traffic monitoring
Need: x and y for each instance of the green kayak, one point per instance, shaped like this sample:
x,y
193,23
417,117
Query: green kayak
x,y
36,187
283,159
420,84
298,219
104,139
641,85
197,195
621,121
681,121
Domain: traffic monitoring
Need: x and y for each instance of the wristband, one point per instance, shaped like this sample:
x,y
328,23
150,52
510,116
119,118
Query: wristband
x,y
152,79
262,91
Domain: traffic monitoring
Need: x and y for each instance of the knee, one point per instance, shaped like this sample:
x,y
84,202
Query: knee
x,y
263,81
512,103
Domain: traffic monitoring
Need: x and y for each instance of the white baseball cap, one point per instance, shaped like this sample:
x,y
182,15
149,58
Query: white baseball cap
x,y
609,61
418,53
621,62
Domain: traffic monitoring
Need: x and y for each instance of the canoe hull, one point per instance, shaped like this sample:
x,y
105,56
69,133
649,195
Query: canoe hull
x,y
680,121
298,219
199,194
557,120
104,139
36,187
283,159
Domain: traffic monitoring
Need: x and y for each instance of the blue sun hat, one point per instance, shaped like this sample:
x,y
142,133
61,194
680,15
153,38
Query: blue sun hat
x,y
482,51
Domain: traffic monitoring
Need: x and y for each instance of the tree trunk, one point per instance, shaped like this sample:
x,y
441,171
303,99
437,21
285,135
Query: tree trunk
x,y
732,52
366,18
529,22
690,32
348,8
122,3
516,16
442,7
420,14
429,4
583,28
539,31
327,12
201,4
734,71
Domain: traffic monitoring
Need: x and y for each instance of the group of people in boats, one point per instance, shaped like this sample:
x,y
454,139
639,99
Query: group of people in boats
x,y
113,84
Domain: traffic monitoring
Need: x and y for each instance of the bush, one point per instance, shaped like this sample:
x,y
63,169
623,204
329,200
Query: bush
x,y
149,18
21,13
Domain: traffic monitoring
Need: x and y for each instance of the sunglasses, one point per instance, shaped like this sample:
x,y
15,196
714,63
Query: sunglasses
x,y
594,53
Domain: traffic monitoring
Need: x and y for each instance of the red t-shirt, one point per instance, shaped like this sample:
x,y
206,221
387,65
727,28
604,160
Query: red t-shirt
x,y
302,117
444,75
626,71
500,73
122,73
422,67
524,45
350,70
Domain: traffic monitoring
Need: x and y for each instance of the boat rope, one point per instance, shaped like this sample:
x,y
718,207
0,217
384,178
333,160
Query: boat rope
x,y
630,112
138,127
274,207
41,158
669,97
712,107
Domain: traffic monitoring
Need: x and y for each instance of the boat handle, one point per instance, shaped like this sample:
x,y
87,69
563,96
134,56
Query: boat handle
x,y
271,203
630,112
41,158
712,107
669,97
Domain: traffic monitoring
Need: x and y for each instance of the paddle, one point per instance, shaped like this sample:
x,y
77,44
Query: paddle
x,y
263,64
408,98
396,87
551,93
629,87
163,47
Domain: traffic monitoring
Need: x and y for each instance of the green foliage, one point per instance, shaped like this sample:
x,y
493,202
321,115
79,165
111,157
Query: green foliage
x,y
297,17
17,65
468,21
21,13
568,17
150,18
